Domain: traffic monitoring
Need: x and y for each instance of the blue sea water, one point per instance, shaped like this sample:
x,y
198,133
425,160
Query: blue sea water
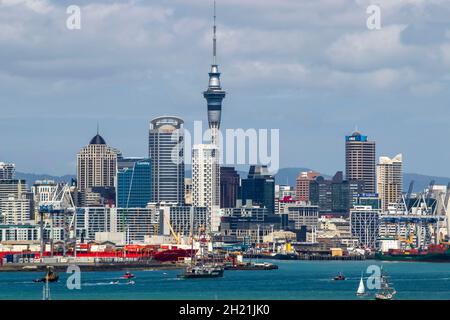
x,y
299,280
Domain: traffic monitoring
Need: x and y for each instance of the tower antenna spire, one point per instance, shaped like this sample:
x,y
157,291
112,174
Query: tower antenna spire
x,y
215,37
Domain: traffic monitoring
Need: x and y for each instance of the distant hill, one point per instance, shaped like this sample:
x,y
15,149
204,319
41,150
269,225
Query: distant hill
x,y
286,176
32,177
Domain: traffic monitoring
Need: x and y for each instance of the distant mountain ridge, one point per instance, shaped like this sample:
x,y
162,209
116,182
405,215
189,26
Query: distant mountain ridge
x,y
32,177
285,176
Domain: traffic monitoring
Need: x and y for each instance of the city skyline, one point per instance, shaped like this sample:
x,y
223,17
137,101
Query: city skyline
x,y
263,68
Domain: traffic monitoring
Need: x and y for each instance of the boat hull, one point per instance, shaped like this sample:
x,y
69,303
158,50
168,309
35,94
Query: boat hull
x,y
429,257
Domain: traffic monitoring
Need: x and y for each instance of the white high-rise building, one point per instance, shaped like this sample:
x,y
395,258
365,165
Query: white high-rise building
x,y
390,180
206,182
15,210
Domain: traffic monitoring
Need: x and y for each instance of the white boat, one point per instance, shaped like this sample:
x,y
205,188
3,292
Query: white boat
x,y
361,289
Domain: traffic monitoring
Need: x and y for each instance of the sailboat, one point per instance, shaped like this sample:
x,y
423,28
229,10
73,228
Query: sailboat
x,y
386,292
361,289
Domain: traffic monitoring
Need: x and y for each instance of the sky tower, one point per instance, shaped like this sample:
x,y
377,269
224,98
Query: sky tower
x,y
214,94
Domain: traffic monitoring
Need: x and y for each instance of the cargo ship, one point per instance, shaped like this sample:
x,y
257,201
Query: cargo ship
x,y
434,253
161,253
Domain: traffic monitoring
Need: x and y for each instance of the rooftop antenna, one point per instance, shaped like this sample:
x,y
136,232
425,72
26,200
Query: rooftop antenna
x,y
214,37
98,128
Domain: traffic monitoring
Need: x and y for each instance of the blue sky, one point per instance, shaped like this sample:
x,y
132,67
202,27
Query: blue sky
x,y
308,67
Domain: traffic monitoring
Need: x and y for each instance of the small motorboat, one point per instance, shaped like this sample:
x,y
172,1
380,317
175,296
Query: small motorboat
x,y
128,276
339,277
50,276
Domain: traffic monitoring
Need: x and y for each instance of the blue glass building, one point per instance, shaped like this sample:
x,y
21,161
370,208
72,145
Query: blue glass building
x,y
134,183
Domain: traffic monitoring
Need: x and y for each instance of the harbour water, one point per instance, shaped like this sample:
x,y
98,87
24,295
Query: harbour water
x,y
299,280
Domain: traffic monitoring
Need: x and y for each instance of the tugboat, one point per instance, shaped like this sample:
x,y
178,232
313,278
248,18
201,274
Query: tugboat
x,y
202,269
50,276
339,277
386,292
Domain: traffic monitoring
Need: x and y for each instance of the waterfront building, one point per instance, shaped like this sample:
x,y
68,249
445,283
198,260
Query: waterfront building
x,y
135,223
133,184
390,180
19,232
7,171
181,219
302,185
303,215
365,225
43,190
360,160
250,224
259,187
166,151
15,210
96,166
229,187
205,182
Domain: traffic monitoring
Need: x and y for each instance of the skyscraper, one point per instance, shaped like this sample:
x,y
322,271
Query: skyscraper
x,y
214,94
360,160
390,180
229,187
259,187
133,185
166,151
96,167
7,171
205,182
302,185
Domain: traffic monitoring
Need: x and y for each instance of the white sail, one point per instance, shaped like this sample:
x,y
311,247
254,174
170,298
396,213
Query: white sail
x,y
361,289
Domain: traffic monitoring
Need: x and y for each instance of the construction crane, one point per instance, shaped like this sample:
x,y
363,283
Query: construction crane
x,y
176,236
61,206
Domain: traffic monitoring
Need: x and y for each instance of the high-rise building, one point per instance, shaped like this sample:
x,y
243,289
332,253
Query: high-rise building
x,y
7,171
43,190
133,185
336,195
302,185
16,188
360,160
259,187
214,95
205,182
390,180
229,187
96,166
166,151
365,226
15,210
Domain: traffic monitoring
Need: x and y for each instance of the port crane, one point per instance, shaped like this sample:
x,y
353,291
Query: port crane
x,y
60,211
